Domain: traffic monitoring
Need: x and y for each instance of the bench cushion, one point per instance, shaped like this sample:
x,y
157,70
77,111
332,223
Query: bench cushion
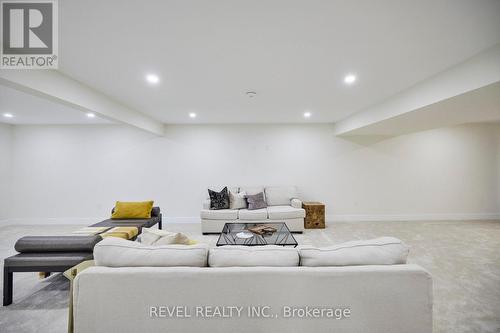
x,y
54,259
40,244
139,223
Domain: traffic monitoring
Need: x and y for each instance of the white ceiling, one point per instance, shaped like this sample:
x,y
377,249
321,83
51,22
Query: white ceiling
x,y
294,54
30,109
480,105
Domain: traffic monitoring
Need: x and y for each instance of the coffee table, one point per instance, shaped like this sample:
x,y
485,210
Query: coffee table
x,y
282,236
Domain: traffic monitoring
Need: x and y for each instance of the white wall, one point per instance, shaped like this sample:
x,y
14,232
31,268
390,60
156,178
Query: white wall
x,y
5,169
498,168
78,171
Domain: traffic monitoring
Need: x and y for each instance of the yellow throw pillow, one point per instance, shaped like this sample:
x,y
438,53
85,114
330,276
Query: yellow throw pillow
x,y
132,210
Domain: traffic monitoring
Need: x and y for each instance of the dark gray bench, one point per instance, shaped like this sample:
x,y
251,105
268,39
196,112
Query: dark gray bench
x,y
59,253
46,254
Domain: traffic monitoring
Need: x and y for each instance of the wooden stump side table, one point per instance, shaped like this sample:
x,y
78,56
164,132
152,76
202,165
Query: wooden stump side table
x,y
315,215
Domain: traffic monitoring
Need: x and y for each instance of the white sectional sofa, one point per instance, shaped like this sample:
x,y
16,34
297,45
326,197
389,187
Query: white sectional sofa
x,y
284,205
379,294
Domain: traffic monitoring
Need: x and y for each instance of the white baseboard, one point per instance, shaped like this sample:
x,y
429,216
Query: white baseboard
x,y
52,221
329,218
412,217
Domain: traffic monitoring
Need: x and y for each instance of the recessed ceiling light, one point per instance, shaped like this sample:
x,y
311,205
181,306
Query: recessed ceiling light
x,y
307,114
350,79
251,94
8,115
152,78
192,115
91,115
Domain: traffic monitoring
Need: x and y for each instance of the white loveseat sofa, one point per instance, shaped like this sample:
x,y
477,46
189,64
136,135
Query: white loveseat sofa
x,y
284,205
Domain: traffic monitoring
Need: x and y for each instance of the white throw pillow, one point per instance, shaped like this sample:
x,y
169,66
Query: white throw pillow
x,y
250,256
378,251
147,238
162,237
174,238
237,200
118,252
166,240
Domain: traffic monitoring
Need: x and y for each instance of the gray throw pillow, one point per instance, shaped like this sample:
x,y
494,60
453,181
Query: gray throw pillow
x,y
256,201
219,200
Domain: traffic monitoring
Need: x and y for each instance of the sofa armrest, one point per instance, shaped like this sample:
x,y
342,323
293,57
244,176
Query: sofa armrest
x,y
206,204
296,203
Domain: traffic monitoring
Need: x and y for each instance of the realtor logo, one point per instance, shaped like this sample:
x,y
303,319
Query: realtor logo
x,y
29,34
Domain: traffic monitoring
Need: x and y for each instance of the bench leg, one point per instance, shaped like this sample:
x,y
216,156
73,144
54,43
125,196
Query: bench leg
x,y
7,286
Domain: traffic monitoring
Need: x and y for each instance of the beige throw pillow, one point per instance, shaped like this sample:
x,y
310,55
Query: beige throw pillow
x,y
237,200
162,237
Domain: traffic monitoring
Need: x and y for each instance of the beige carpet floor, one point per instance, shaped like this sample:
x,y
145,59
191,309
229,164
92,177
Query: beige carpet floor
x,y
463,258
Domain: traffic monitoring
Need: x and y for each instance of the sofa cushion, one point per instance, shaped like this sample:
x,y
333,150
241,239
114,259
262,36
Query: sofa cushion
x,y
117,252
38,244
221,214
285,212
280,195
256,214
249,256
378,251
